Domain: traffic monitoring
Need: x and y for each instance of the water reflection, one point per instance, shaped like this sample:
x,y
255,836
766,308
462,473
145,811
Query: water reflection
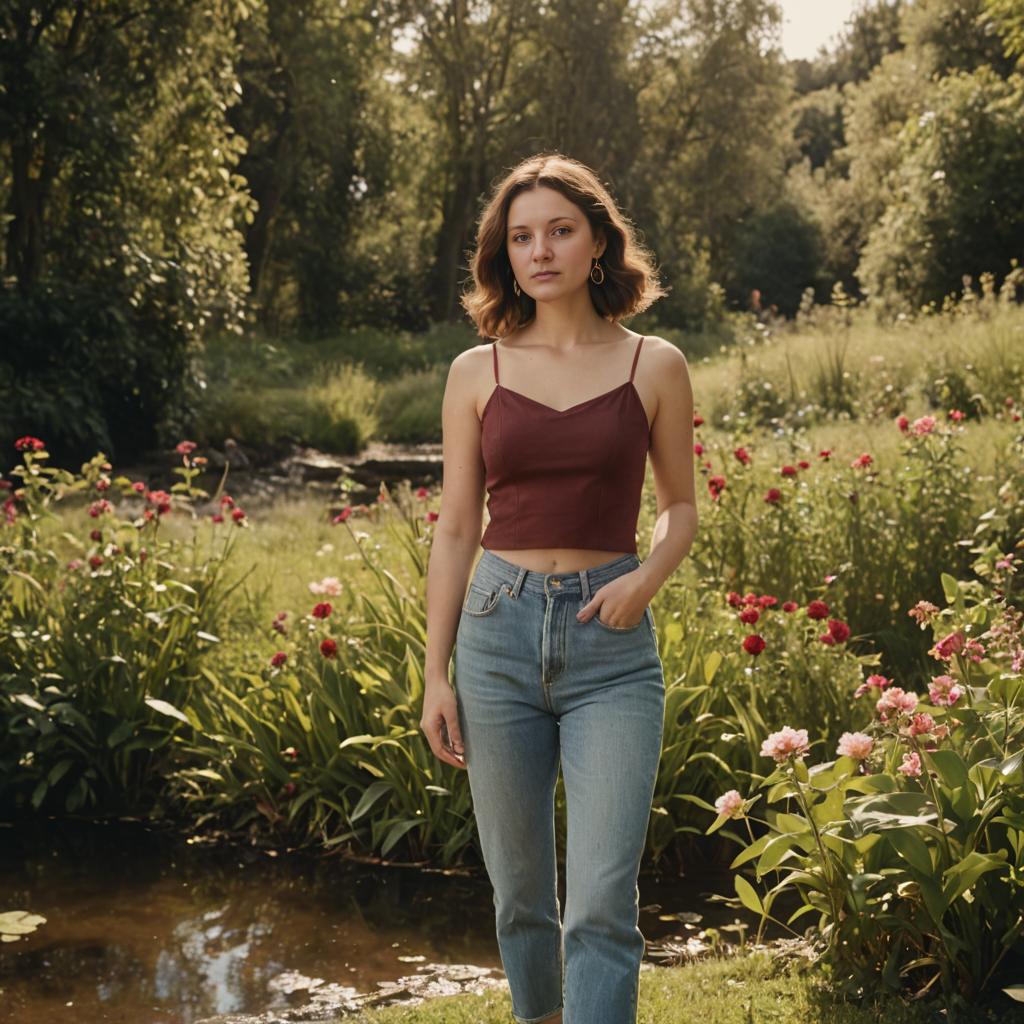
x,y
143,927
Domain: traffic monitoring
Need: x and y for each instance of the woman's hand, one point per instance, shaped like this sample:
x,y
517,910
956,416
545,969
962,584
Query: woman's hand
x,y
624,603
440,722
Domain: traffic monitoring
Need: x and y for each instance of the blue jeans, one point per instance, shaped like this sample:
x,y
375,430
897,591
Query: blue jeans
x,y
534,686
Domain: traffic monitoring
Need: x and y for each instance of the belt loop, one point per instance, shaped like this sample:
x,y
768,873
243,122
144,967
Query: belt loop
x,y
518,585
585,585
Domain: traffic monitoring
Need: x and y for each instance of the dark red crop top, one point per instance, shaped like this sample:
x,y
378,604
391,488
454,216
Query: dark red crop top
x,y
564,478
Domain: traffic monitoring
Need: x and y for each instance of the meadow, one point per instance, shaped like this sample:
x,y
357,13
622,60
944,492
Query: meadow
x,y
851,598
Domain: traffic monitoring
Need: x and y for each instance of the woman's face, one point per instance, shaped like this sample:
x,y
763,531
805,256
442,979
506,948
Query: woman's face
x,y
547,232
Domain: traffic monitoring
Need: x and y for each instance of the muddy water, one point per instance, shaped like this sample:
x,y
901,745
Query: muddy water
x,y
142,927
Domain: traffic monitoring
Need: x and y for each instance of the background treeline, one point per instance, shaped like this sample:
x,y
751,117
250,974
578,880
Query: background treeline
x,y
179,171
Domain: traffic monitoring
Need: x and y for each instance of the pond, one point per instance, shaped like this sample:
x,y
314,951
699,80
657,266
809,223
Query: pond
x,y
143,926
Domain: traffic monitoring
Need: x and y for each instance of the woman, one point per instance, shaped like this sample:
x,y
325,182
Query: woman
x,y
556,655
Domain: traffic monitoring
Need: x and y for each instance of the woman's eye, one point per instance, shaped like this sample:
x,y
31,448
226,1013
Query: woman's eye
x,y
515,238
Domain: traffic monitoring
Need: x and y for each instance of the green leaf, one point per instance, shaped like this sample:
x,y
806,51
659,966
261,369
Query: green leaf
x,y
397,831
961,876
950,766
748,896
912,848
166,709
372,793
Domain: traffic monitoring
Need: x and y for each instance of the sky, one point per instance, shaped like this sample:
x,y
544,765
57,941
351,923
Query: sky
x,y
808,24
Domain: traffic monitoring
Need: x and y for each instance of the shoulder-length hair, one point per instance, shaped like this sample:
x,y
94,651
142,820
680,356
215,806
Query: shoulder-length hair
x,y
630,280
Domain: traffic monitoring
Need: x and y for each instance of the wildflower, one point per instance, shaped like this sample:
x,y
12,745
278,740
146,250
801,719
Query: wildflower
x,y
923,612
290,754
185,447
730,803
754,644
785,743
96,535
278,625
422,493
855,744
825,453
328,648
103,484
923,425
161,499
328,585
342,515
804,464
75,564
698,420
97,508
951,644
944,691
95,561
956,415
861,461
921,724
431,517
767,601
911,766
322,610
278,658
716,484
29,444
789,606
788,471
237,515
698,448
773,496
872,682
749,616
217,518
289,788
139,487
902,422
734,599
839,631
742,455
817,610
895,701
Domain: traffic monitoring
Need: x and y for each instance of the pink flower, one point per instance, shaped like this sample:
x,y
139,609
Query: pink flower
x,y
789,606
921,724
342,515
944,691
185,447
328,585
871,683
161,499
923,612
949,645
861,461
895,701
911,766
730,803
855,744
29,444
923,425
785,743
97,508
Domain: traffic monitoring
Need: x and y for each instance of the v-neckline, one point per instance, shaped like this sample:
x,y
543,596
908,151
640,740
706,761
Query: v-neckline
x,y
572,408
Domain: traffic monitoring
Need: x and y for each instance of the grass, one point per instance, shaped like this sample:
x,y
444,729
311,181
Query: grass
x,y
750,988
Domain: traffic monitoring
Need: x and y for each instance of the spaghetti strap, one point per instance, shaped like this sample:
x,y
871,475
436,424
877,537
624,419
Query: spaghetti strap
x,y
494,352
636,356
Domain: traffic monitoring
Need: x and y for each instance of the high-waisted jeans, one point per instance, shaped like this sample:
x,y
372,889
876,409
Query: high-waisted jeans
x,y
535,686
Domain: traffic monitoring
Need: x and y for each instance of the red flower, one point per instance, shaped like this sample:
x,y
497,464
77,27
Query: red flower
x,y
289,788
767,601
773,496
788,470
185,447
698,420
95,561
734,599
237,514
789,606
342,515
96,535
103,484
839,631
861,461
227,501
749,616
328,648
817,610
903,423
422,492
278,659
217,518
431,517
161,499
139,487
29,444
754,644
716,484
97,508
322,610
804,464
698,448
956,415
742,455
825,453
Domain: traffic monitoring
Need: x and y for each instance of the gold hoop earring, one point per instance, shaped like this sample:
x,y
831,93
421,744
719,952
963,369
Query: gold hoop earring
x,y
597,266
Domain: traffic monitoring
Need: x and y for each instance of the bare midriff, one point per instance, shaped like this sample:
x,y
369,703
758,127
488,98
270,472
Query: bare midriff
x,y
556,559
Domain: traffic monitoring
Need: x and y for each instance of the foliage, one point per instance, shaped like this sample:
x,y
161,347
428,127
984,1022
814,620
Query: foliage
x,y
910,844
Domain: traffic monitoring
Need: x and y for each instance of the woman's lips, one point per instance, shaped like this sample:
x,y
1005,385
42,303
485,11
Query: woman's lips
x,y
544,276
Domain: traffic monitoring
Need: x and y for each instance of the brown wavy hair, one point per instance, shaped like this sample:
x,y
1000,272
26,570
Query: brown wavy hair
x,y
630,279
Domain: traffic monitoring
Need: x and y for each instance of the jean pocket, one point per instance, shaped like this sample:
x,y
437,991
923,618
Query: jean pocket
x,y
625,629
481,599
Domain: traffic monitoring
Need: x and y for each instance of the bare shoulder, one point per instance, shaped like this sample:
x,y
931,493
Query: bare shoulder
x,y
468,374
667,356
667,371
